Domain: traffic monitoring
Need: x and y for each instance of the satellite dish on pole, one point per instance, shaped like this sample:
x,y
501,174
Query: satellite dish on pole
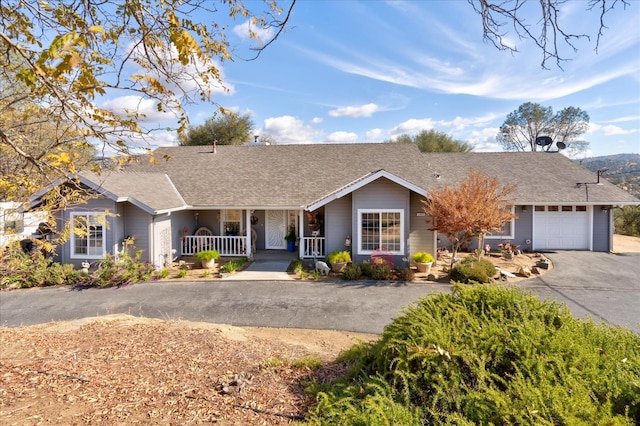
x,y
543,140
561,145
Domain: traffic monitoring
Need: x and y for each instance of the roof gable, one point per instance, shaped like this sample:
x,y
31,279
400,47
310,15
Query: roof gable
x,y
359,183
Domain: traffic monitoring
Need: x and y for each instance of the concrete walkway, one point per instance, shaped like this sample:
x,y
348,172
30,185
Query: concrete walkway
x,y
267,265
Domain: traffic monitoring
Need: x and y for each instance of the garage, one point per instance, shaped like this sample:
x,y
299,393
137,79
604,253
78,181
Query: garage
x,y
561,227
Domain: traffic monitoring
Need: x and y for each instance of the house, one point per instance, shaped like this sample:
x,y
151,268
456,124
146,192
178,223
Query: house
x,y
359,197
16,224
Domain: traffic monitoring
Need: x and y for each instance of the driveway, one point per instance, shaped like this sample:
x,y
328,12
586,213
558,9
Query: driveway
x,y
603,286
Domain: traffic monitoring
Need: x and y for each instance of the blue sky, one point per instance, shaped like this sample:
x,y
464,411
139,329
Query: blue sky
x,y
369,71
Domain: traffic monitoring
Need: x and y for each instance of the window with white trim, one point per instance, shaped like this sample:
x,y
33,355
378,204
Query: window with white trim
x,y
88,240
231,222
380,229
13,222
507,232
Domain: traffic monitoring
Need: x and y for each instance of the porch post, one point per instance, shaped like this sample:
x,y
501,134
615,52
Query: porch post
x,y
301,241
247,227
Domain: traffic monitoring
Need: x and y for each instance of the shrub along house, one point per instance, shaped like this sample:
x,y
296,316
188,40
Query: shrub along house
x,y
238,199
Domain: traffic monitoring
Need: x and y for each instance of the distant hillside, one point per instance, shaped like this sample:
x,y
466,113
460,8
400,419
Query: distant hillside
x,y
623,170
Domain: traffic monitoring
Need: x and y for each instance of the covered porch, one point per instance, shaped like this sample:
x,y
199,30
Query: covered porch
x,y
241,233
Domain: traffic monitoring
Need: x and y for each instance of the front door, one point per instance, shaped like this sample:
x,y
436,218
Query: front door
x,y
275,229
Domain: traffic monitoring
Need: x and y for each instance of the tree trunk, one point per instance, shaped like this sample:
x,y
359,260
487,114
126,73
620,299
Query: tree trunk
x,y
480,245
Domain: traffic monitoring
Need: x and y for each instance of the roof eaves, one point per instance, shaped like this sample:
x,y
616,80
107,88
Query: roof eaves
x,y
359,183
33,200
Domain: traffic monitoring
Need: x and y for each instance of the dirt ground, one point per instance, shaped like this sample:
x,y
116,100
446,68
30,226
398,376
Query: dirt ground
x,y
126,370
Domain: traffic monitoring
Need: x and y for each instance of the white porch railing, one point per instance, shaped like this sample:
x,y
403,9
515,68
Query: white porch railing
x,y
313,247
226,246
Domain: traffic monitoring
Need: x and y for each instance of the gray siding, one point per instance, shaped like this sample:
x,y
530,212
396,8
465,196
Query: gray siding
x,y
180,221
420,237
523,227
208,218
99,205
380,194
602,229
523,232
337,223
138,226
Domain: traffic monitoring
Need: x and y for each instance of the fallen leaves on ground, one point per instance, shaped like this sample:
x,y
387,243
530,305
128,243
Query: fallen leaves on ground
x,y
127,370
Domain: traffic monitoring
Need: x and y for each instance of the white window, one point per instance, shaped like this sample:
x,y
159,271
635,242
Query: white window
x,y
508,229
13,222
380,229
231,222
88,238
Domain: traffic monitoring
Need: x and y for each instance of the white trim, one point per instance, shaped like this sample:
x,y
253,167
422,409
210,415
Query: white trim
x,y
103,224
359,183
512,229
590,223
359,230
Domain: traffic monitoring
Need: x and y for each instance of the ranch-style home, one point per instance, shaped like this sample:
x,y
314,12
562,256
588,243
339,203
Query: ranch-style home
x,y
360,197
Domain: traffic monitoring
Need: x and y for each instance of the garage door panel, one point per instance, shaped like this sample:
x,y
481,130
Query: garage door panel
x,y
561,230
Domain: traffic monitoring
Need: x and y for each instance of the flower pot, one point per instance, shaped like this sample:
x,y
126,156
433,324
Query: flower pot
x,y
338,266
208,264
291,246
424,267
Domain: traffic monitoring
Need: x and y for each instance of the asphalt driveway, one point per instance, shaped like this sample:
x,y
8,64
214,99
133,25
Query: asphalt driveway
x,y
603,286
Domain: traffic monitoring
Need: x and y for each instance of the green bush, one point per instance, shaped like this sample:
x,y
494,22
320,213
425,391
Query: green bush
x,y
367,268
351,272
25,270
488,355
233,264
470,269
406,274
627,220
422,257
381,272
337,256
207,255
124,270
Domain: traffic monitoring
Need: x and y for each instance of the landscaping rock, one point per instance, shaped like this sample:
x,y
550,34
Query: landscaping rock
x,y
543,264
524,271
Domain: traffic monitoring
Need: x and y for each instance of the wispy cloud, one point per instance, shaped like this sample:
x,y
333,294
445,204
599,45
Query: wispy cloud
x,y
248,30
355,111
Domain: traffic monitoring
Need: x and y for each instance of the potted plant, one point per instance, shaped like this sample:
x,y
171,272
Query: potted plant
x,y
291,238
338,260
208,258
423,261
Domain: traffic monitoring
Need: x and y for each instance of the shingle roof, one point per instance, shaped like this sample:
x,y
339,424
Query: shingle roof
x,y
276,175
540,178
292,176
153,192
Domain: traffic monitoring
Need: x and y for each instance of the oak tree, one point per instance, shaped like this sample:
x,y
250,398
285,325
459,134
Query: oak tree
x,y
524,126
476,207
225,128
435,141
541,22
67,56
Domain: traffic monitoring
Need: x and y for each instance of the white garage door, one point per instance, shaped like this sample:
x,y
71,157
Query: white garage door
x,y
561,227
